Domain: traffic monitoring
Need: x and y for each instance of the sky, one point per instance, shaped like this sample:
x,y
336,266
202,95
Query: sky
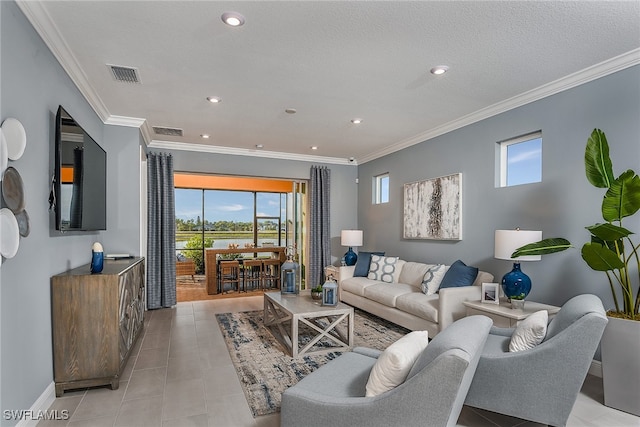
x,y
224,205
524,162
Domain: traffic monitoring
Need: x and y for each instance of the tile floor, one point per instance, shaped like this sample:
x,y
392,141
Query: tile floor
x,y
180,374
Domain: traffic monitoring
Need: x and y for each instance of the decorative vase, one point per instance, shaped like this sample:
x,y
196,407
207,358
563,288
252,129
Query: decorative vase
x,y
517,304
97,258
515,284
350,257
315,295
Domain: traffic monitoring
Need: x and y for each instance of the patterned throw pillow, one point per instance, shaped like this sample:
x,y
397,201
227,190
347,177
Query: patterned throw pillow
x,y
433,278
382,268
363,263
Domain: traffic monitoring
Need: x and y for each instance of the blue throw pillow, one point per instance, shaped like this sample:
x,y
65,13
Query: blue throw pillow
x,y
362,264
458,275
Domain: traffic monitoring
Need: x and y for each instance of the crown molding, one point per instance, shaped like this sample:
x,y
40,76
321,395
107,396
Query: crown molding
x,y
618,63
46,28
147,133
202,148
132,122
48,31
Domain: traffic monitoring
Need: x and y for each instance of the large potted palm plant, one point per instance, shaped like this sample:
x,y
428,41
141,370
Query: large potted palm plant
x,y
612,251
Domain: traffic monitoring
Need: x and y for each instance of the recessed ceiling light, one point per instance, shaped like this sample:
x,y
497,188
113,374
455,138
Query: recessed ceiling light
x,y
313,147
205,136
214,99
290,110
259,146
233,19
356,121
439,70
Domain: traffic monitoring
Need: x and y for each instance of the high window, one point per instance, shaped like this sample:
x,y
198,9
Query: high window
x,y
381,189
520,160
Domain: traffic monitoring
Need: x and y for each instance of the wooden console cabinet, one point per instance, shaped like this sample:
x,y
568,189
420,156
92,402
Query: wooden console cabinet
x,y
96,321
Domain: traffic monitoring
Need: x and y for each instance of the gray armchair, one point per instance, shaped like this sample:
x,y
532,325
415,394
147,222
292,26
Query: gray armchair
x,y
432,394
540,384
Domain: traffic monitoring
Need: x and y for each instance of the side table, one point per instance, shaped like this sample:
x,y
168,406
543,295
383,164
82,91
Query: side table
x,y
504,316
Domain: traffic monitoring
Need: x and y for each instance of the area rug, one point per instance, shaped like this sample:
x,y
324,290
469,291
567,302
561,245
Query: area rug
x,y
263,368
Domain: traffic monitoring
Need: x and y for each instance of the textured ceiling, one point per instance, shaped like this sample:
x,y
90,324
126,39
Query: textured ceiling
x,y
331,61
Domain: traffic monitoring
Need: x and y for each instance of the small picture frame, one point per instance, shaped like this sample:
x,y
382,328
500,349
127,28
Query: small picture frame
x,y
490,293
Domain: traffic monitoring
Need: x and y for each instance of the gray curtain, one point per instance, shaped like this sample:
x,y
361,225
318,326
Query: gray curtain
x,y
161,232
320,236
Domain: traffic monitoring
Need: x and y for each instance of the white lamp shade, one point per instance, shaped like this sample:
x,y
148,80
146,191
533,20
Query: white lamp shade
x,y
507,241
351,238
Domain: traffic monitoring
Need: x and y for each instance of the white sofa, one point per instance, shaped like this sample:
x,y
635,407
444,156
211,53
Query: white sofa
x,y
403,302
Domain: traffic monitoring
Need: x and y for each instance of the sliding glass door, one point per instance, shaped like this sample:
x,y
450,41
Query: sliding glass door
x,y
212,218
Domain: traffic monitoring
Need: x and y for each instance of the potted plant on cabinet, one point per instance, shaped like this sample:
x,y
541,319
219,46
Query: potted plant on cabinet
x,y
612,251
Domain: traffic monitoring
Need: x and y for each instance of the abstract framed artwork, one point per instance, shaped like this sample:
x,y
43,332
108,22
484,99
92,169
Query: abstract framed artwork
x,y
433,208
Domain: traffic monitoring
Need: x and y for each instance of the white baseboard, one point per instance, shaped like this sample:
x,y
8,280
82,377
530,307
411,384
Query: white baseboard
x,y
596,368
41,405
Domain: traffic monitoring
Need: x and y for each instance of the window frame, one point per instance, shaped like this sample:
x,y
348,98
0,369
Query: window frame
x,y
502,158
378,196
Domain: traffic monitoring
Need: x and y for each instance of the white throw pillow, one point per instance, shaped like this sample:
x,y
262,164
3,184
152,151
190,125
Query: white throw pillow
x,y
530,332
394,364
433,278
382,268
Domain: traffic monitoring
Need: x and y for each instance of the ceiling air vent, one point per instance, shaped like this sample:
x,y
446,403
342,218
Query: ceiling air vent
x,y
124,74
167,131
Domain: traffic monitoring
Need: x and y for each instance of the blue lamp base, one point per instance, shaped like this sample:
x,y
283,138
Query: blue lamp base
x,y
350,257
515,284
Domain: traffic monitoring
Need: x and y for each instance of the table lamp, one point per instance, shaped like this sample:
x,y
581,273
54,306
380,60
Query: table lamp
x,y
515,284
351,238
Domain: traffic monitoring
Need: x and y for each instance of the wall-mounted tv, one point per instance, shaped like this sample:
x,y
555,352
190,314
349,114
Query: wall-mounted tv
x,y
80,181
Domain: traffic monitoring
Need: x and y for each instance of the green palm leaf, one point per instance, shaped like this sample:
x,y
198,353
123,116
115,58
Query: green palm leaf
x,y
623,197
609,232
601,258
597,162
543,247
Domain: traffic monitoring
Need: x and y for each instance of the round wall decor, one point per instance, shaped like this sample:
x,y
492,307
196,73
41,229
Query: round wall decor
x,y
12,190
4,156
15,137
10,238
23,223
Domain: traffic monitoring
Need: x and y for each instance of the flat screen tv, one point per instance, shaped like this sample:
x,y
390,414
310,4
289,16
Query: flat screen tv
x,y
80,178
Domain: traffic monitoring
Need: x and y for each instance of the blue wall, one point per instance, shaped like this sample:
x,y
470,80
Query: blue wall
x,y
561,205
33,84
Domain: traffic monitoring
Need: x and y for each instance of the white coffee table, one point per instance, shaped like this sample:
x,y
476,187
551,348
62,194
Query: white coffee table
x,y
503,315
284,314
